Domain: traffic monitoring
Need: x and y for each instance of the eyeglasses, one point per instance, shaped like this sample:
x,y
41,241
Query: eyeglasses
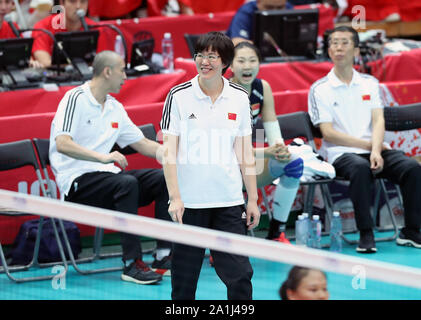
x,y
336,43
210,57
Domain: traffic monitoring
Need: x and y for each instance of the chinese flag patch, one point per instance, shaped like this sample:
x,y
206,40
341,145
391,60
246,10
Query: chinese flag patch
x,y
232,116
114,125
366,97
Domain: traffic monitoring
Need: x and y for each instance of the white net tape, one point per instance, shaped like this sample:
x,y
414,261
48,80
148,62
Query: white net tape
x,y
206,238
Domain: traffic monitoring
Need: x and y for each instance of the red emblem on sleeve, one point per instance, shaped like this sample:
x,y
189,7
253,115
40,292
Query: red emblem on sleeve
x,y
114,125
232,116
366,97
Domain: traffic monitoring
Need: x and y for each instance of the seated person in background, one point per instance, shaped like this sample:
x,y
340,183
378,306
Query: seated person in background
x,y
38,10
6,6
279,162
304,284
168,7
241,26
346,106
86,126
200,6
42,48
113,9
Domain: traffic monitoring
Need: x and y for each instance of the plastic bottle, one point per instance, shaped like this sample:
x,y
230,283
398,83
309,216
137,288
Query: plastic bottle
x,y
167,53
306,228
300,231
316,233
119,46
336,232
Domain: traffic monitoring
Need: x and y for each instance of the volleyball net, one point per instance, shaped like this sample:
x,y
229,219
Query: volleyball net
x,y
271,260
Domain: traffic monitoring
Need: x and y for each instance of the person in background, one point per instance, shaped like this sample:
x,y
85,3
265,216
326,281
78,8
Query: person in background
x,y
205,187
278,161
346,106
241,26
214,6
304,284
86,126
66,21
6,7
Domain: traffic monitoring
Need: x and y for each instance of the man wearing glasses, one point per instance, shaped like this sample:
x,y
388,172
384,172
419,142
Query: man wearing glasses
x,y
346,106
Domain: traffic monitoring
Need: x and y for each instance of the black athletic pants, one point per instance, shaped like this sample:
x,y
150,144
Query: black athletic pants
x,y
235,271
125,192
398,168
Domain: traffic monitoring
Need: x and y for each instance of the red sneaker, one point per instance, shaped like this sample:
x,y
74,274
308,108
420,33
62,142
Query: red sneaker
x,y
282,238
211,261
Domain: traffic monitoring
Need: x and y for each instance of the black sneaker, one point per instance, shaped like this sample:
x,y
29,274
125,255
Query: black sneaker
x,y
410,238
275,229
138,272
163,266
367,243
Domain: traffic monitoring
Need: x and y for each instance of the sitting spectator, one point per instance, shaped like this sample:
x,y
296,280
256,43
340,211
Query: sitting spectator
x,y
42,48
241,26
200,6
346,106
6,6
38,10
168,8
112,9
375,10
304,284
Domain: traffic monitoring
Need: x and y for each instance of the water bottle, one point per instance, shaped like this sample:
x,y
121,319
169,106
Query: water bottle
x,y
306,228
316,233
300,231
167,53
119,46
335,232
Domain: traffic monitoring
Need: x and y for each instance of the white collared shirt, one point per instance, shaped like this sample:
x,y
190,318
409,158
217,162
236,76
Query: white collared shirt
x,y
80,116
207,168
347,107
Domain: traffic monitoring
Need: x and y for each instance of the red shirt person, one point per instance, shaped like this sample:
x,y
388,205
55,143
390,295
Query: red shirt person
x,y
6,32
42,48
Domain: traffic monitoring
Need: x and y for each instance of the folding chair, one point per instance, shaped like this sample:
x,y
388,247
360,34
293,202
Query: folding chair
x,y
42,148
191,40
398,118
298,124
15,155
380,189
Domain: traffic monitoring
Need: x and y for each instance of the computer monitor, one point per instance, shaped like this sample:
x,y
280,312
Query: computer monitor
x,y
293,31
15,52
77,45
142,52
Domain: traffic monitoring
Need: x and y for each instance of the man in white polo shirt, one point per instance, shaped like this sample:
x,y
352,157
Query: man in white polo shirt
x,y
206,124
84,130
346,106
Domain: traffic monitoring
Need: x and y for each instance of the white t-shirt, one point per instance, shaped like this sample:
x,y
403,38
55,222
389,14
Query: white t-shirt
x,y
347,107
79,115
208,172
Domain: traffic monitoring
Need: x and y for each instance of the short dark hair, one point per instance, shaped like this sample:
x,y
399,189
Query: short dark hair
x,y
246,44
218,42
103,60
355,37
295,275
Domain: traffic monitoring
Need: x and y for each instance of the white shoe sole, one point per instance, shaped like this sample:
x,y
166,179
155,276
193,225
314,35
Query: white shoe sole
x,y
130,279
408,243
364,250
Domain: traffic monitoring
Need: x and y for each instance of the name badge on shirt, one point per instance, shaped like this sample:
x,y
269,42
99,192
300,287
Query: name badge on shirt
x,y
232,116
114,125
366,97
